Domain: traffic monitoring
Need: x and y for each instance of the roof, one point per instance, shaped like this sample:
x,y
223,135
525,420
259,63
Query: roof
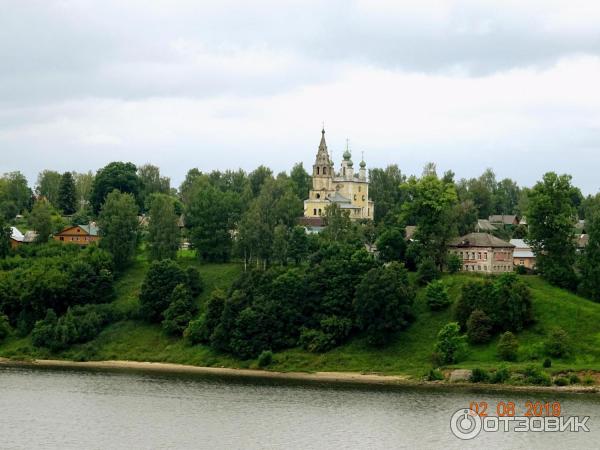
x,y
480,240
523,254
338,198
90,229
310,221
409,231
523,249
520,243
506,219
485,225
16,235
30,236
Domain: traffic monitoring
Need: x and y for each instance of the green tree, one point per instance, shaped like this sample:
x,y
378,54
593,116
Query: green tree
x,y
508,346
391,244
258,177
479,327
155,293
151,183
116,175
67,194
558,343
5,233
84,183
437,296
590,261
298,244
48,186
180,311
551,216
280,244
41,220
201,329
5,328
163,231
16,191
384,190
118,225
383,302
209,218
450,343
431,209
302,181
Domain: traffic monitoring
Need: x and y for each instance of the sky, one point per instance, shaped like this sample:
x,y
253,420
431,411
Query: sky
x,y
510,85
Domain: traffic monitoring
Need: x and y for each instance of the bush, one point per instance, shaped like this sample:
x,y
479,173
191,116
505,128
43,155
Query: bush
x,y
434,375
4,327
479,327
574,379
155,294
508,346
44,334
557,344
588,380
436,295
180,311
200,329
536,376
500,376
547,363
450,343
427,272
479,376
265,358
561,381
521,270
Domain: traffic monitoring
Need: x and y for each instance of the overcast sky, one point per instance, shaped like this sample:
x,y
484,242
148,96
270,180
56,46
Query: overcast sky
x,y
512,85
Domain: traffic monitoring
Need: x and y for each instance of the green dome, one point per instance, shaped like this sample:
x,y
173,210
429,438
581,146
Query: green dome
x,y
347,155
363,164
350,163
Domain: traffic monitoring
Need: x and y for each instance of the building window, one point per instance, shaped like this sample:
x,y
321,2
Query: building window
x,y
354,197
315,211
363,197
359,189
319,211
485,256
318,195
324,170
318,168
62,238
522,262
344,170
478,255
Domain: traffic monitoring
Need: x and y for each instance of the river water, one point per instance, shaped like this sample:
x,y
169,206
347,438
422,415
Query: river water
x,y
87,409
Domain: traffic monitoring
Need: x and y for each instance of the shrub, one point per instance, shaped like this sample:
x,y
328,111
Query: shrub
x,y
536,376
200,329
500,376
180,311
547,363
155,294
521,270
450,343
265,358
574,379
508,346
4,327
479,376
426,272
43,334
557,344
561,381
479,327
434,375
436,295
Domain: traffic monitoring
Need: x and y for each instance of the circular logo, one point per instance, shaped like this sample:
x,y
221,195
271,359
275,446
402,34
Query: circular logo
x,y
465,424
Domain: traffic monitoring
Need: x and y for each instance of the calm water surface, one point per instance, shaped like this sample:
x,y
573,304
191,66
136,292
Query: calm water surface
x,y
85,409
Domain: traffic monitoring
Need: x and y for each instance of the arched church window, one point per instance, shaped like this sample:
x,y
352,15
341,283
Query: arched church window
x,y
355,197
315,211
363,197
318,195
319,211
324,170
318,170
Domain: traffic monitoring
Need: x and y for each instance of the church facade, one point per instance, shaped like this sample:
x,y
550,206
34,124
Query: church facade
x,y
348,189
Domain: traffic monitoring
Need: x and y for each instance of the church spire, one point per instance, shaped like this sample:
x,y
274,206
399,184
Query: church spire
x,y
323,144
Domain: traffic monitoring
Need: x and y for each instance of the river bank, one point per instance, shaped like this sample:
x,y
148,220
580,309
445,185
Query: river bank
x,y
318,377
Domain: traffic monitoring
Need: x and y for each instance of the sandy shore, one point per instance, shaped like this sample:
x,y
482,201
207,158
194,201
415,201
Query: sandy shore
x,y
324,377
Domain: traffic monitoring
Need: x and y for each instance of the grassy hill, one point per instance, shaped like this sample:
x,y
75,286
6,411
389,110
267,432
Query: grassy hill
x,y
408,354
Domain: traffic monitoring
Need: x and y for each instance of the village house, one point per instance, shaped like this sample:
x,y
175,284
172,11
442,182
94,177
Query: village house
x,y
484,253
17,238
503,220
78,234
523,254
